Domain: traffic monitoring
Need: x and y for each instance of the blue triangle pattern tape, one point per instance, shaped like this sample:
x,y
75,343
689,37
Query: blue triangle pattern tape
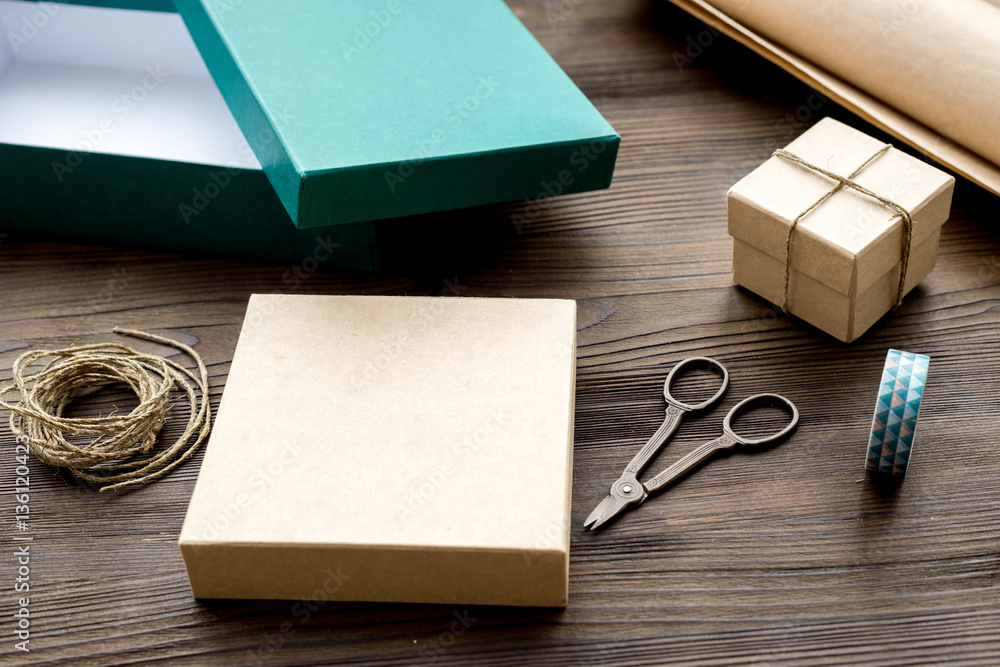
x,y
896,412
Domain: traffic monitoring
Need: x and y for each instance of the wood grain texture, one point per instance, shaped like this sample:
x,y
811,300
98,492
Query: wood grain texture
x,y
784,556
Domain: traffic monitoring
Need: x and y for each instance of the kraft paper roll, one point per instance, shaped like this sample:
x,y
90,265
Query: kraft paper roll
x,y
937,61
895,423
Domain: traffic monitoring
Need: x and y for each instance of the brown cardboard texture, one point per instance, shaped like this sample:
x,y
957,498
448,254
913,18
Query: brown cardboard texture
x,y
857,54
402,449
846,252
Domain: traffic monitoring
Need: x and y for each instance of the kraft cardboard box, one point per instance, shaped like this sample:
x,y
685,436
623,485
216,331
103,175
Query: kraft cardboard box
x,y
399,449
847,252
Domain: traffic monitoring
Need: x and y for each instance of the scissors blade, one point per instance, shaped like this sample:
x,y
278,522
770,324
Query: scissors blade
x,y
598,512
608,509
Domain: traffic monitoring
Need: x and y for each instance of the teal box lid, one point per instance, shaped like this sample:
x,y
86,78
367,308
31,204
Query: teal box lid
x,y
367,109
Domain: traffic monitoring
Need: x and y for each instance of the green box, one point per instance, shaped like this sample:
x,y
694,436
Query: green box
x,y
78,156
369,109
112,129
245,219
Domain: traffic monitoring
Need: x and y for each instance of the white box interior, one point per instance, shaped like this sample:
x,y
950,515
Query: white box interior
x,y
113,81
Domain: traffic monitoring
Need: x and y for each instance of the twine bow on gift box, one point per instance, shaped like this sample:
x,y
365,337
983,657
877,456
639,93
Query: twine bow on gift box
x,y
848,182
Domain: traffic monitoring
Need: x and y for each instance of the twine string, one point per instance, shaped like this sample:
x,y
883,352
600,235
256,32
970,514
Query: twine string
x,y
122,445
848,182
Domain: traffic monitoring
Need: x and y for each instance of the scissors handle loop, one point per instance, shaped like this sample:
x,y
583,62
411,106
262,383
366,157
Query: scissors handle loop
x,y
728,440
749,404
695,362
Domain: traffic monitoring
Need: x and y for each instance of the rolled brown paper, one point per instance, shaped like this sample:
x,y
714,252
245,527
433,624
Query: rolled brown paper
x,y
938,61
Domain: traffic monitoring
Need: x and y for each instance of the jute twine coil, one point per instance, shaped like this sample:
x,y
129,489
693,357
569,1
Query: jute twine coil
x,y
849,182
108,458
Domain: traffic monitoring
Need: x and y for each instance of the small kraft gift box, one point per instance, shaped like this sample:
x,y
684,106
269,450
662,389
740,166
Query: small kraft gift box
x,y
837,227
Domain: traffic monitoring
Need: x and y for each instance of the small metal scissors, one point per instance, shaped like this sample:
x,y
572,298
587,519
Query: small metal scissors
x,y
629,492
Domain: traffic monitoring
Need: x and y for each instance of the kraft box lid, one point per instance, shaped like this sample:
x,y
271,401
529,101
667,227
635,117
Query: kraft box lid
x,y
401,449
368,109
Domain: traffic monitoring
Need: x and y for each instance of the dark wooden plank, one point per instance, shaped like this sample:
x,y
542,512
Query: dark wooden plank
x,y
788,555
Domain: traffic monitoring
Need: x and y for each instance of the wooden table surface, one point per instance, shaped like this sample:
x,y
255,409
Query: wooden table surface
x,y
789,555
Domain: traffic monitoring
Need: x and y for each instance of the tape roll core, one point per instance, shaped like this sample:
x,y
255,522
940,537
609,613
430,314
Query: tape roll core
x,y
895,422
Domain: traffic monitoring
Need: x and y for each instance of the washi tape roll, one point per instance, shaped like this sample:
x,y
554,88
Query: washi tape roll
x,y
895,422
